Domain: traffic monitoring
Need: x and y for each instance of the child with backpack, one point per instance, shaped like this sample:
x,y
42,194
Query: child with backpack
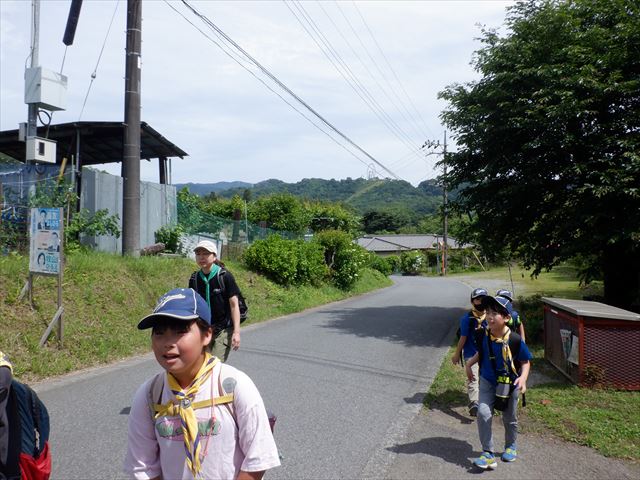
x,y
503,359
218,287
469,323
200,418
24,429
515,324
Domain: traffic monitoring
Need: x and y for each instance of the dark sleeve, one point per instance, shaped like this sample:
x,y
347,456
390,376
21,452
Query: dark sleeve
x,y
230,285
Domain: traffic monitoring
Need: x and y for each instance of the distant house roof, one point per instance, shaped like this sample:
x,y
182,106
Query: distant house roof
x,y
398,243
101,142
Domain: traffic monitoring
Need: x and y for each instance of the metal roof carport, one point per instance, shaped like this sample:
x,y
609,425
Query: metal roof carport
x,y
93,143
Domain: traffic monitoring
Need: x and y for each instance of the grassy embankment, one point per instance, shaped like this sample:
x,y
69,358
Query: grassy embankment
x,y
604,419
104,296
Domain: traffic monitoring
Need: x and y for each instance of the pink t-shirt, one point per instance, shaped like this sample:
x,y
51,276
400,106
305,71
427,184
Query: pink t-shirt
x,y
157,448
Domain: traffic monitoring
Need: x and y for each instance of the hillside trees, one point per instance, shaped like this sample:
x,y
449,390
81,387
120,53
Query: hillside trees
x,y
549,140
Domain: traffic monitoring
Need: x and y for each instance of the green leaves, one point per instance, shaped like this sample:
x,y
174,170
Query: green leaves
x,y
549,137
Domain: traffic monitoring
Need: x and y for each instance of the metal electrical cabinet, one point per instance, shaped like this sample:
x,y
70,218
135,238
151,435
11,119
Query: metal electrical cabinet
x,y
593,343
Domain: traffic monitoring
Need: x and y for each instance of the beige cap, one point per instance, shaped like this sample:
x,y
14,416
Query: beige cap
x,y
208,245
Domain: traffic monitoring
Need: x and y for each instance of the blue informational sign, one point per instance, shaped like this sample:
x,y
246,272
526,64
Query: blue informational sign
x,y
46,240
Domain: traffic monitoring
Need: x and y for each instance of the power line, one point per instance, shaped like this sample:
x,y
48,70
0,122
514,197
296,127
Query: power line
x,y
95,70
239,60
270,75
373,77
392,71
354,82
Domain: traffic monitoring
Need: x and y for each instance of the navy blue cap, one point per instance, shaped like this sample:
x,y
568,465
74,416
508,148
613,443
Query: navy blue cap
x,y
505,293
180,303
500,304
479,292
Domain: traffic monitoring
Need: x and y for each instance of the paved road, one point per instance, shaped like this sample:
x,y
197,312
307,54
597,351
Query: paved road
x,y
346,380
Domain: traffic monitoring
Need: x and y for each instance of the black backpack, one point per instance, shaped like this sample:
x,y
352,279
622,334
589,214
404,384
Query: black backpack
x,y
242,304
28,434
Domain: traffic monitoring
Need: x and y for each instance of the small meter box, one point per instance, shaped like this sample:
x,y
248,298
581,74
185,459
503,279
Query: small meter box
x,y
41,150
45,88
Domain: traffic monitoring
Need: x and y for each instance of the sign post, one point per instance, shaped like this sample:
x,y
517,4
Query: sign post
x,y
46,255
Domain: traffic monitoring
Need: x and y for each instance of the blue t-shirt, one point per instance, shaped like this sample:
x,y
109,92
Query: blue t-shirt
x,y
468,325
486,367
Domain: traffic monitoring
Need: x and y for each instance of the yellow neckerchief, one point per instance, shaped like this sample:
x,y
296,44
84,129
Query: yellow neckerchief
x,y
506,351
479,316
4,362
184,408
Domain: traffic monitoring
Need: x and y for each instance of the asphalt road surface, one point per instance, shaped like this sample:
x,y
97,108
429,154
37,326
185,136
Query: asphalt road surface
x,y
345,380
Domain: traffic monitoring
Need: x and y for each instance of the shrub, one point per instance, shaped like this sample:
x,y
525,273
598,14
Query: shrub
x,y
344,258
170,236
411,262
380,264
531,311
286,262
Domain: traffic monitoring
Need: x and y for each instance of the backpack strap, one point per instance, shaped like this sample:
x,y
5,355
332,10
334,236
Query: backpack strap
x,y
514,345
12,467
156,408
35,413
193,281
230,384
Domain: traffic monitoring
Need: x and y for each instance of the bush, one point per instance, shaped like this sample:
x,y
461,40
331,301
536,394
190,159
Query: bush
x,y
170,236
411,262
344,258
380,264
286,262
531,311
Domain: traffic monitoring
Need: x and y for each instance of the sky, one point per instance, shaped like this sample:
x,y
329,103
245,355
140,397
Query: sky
x,y
397,55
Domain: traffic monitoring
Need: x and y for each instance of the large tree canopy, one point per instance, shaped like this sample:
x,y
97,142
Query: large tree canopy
x,y
549,139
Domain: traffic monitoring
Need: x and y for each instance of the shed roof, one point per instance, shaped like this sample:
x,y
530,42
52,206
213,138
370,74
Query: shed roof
x,y
394,243
100,142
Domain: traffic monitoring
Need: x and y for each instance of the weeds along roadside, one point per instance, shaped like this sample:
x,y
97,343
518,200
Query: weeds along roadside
x,y
105,295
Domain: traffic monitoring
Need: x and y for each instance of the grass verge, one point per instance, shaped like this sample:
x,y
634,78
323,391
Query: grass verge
x,y
104,297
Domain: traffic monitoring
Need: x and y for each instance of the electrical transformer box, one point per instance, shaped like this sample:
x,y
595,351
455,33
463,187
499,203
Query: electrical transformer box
x,y
41,150
45,88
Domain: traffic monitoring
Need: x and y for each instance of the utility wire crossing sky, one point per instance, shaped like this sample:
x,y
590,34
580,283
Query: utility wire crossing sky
x,y
228,82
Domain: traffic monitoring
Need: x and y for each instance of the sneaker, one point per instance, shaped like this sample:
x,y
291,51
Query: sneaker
x,y
486,461
473,409
510,454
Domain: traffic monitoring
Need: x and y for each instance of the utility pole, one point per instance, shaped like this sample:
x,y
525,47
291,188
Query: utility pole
x,y
131,154
32,118
445,220
445,257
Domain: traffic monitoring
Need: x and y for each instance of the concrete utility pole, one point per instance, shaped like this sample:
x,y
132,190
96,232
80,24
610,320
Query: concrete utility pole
x,y
445,220
444,208
32,115
131,157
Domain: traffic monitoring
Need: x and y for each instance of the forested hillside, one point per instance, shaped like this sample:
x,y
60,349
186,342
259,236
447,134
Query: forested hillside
x,y
361,194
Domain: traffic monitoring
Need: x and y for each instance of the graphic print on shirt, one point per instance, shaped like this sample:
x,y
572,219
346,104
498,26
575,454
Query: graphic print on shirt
x,y
171,428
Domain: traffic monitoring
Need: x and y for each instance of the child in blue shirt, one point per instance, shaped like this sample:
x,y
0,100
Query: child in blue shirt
x,y
469,323
503,378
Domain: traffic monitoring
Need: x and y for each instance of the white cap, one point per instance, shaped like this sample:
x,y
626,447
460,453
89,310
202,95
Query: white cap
x,y
208,245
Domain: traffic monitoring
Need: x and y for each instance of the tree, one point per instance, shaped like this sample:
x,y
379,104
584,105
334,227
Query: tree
x,y
549,140
282,212
375,221
332,216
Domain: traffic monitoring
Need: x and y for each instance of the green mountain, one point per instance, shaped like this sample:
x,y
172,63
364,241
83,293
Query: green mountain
x,y
203,189
361,194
